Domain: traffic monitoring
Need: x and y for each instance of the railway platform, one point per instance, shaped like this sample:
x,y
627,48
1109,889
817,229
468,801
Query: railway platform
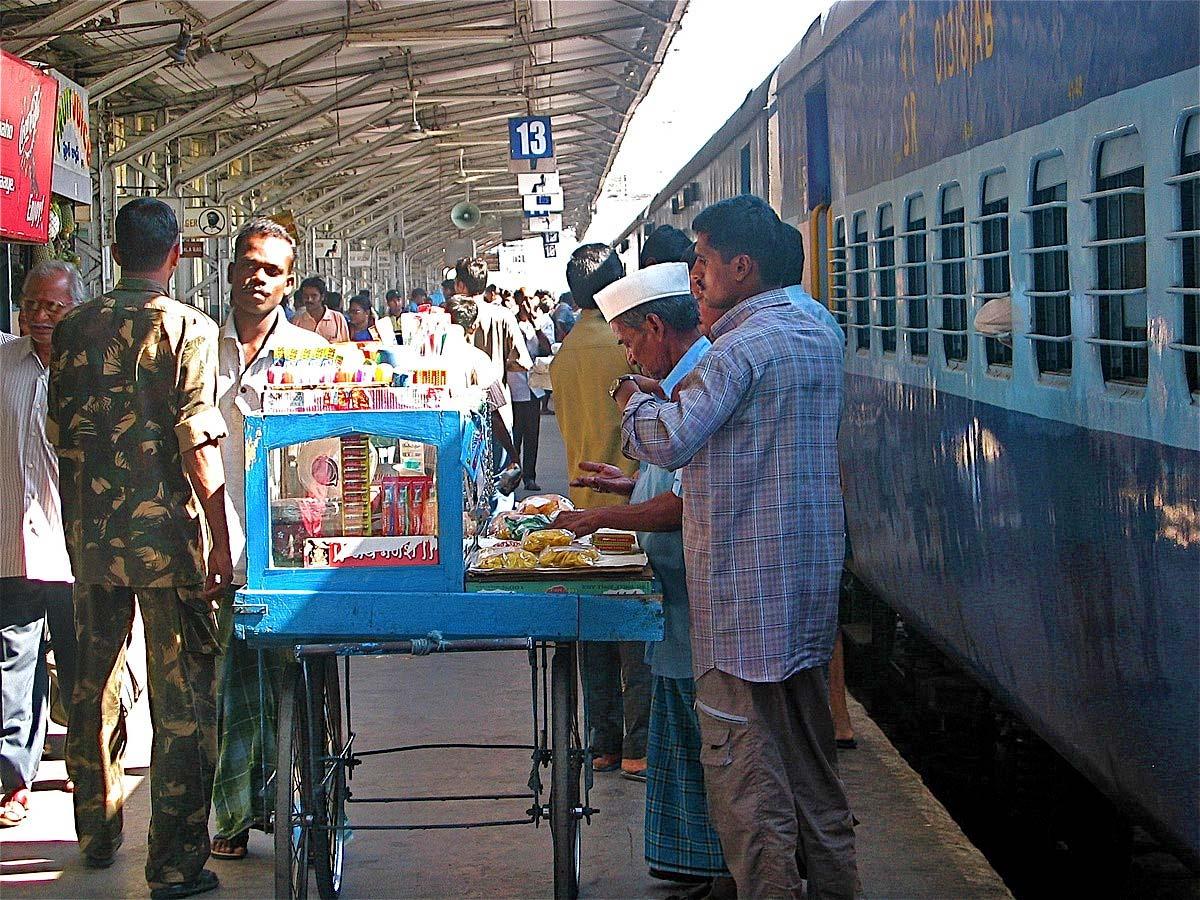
x,y
908,846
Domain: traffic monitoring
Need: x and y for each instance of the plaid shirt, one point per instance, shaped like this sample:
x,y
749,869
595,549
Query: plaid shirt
x,y
756,427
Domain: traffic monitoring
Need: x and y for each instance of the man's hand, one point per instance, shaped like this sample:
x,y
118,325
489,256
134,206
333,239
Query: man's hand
x,y
603,479
634,384
220,574
581,521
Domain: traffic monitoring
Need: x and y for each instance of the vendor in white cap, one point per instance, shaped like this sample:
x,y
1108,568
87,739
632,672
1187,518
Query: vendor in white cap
x,y
655,317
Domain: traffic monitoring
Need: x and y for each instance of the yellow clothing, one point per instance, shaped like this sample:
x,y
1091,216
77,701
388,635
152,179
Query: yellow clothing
x,y
581,374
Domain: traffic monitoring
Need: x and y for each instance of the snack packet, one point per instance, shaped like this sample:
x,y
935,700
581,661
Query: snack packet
x,y
513,526
506,557
570,556
545,504
537,541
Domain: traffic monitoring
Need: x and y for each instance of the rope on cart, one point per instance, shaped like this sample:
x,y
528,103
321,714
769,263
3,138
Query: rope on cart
x,y
431,643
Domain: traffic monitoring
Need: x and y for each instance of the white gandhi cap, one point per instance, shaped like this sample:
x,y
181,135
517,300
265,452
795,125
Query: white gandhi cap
x,y
644,285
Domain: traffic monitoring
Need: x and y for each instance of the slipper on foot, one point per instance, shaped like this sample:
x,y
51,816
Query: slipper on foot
x,y
846,744
230,847
103,860
203,883
606,762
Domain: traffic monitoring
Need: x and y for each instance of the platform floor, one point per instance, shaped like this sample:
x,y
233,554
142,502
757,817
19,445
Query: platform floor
x,y
908,847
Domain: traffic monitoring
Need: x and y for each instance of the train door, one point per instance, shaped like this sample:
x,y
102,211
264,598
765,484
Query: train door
x,y
819,191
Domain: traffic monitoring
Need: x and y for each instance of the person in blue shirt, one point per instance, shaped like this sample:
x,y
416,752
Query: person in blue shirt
x,y
655,316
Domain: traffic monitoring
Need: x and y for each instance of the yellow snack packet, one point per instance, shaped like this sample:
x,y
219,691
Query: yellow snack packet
x,y
506,558
537,541
570,556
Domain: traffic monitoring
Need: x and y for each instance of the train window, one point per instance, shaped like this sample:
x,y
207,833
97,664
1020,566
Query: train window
x,y
837,266
952,276
860,273
1119,204
885,263
746,185
916,279
1050,276
993,261
1189,249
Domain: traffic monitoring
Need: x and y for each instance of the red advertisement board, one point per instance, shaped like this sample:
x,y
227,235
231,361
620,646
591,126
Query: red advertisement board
x,y
26,150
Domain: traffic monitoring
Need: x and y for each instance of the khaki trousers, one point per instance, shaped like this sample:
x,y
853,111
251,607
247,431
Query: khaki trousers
x,y
774,794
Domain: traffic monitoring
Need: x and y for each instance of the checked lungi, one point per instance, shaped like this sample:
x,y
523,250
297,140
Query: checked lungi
x,y
679,836
246,749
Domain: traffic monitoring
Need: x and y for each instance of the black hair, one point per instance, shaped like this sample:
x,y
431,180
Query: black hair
x,y
313,281
464,311
472,271
566,297
744,224
590,269
264,228
679,312
146,230
362,302
665,243
490,287
333,300
417,292
791,255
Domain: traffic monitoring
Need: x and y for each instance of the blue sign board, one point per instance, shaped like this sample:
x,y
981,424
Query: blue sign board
x,y
529,137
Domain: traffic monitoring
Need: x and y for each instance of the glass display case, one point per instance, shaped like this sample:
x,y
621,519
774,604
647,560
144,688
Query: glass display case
x,y
368,500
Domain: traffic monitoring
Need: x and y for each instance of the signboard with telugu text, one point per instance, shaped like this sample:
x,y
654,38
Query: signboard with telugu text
x,y
26,150
72,176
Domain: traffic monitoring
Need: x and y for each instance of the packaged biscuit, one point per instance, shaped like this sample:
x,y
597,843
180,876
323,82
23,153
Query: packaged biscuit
x,y
537,541
506,557
570,556
545,504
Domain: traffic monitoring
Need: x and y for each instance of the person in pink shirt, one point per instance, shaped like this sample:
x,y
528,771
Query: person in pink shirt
x,y
328,323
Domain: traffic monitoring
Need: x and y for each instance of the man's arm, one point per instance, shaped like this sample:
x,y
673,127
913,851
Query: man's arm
x,y
206,472
670,434
198,428
516,354
661,513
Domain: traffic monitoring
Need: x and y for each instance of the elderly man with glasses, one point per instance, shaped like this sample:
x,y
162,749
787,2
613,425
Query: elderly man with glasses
x,y
35,572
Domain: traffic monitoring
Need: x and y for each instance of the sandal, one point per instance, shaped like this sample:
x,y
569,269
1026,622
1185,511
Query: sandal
x,y
14,807
230,847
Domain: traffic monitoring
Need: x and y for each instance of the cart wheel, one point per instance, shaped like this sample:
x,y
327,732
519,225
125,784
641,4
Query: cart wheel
x,y
328,777
566,758
293,791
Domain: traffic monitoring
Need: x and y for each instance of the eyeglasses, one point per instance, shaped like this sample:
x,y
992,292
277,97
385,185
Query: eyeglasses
x,y
49,307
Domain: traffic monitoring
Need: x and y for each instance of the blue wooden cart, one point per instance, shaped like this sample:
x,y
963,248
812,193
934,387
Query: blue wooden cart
x,y
330,595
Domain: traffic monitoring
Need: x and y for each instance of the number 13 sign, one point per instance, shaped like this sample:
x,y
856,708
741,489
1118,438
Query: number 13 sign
x,y
529,137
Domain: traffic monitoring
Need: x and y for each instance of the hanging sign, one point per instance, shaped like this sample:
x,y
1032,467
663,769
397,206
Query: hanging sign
x,y
205,222
545,222
327,248
538,183
26,150
360,259
530,137
72,142
542,203
193,248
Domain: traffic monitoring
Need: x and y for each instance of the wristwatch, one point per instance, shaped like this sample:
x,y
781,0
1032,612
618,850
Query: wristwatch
x,y
616,385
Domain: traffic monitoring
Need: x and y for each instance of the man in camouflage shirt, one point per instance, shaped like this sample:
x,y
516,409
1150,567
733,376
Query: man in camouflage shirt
x,y
133,416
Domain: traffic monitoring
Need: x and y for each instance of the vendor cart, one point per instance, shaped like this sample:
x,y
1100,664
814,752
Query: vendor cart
x,y
362,526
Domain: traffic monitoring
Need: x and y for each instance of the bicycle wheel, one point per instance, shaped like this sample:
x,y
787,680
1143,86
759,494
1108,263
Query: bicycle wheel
x,y
566,758
293,791
328,779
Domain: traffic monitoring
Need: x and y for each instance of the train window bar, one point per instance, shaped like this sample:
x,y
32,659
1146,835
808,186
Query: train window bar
x,y
1051,248
945,226
1183,236
1042,207
1114,342
995,254
1185,348
990,217
1129,191
1062,293
950,331
1188,291
946,260
1182,178
920,232
1115,292
991,295
1116,242
1049,338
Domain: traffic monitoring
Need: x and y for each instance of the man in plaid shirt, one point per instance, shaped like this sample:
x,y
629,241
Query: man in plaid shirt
x,y
755,429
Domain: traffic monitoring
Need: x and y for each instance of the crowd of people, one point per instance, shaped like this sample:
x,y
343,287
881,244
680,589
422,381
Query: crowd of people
x,y
698,399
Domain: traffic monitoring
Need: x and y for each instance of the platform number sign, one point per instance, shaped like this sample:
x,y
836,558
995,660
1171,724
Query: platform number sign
x,y
529,137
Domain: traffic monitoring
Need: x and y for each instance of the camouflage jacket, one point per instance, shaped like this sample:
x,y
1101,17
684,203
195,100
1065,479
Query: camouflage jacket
x,y
133,385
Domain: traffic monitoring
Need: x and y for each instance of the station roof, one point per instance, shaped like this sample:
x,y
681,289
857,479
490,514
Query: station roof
x,y
344,112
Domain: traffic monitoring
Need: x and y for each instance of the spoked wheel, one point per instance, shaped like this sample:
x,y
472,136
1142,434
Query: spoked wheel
x,y
566,758
293,791
328,771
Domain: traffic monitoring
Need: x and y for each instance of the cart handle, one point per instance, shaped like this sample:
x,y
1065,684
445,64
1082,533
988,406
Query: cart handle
x,y
431,643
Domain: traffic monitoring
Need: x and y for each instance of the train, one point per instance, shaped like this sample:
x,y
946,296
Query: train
x,y
1026,497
